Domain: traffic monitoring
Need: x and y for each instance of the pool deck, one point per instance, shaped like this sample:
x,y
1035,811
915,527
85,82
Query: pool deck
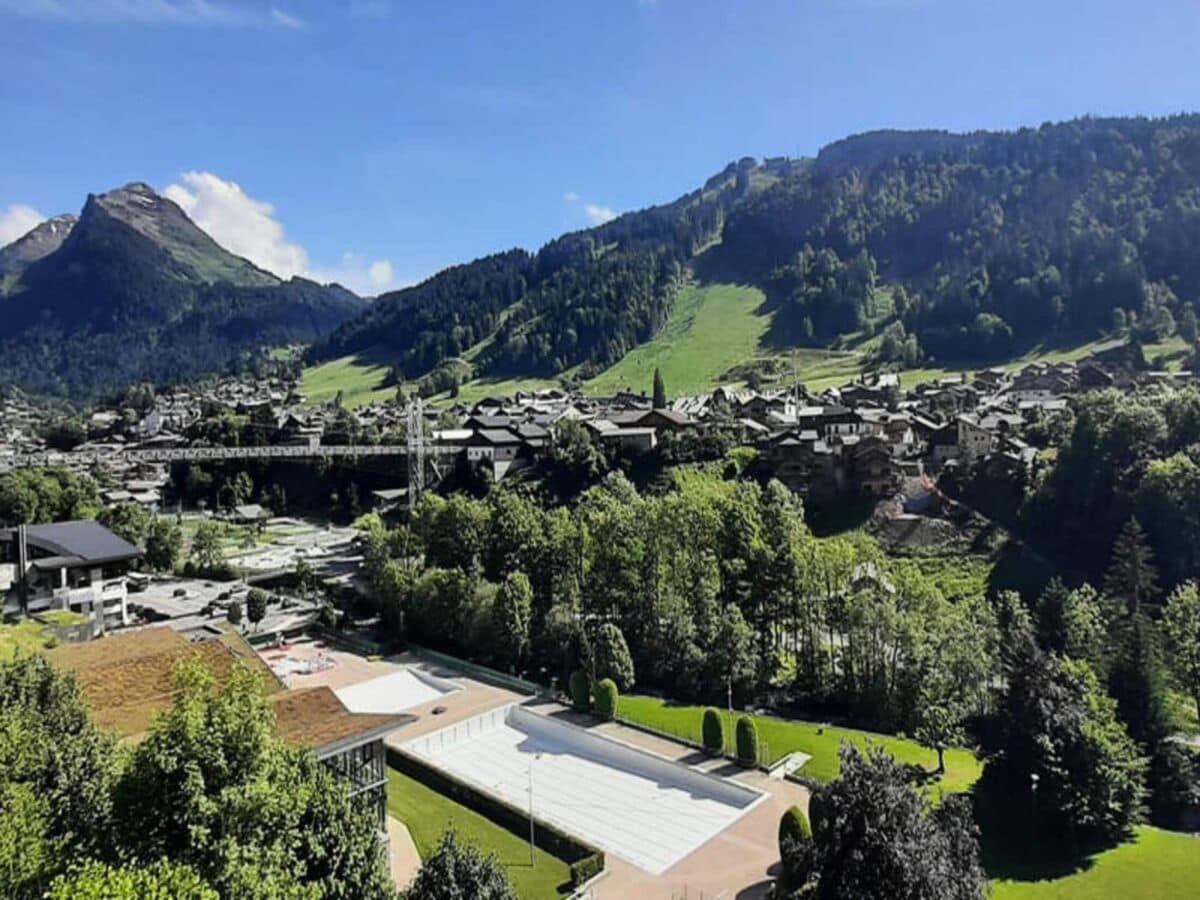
x,y
740,862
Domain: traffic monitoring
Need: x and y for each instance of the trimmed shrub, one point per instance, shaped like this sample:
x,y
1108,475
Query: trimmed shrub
x,y
796,847
586,869
714,732
793,826
747,742
580,687
605,700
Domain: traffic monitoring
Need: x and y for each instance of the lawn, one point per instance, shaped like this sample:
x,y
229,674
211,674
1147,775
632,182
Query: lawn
x,y
1156,864
711,329
234,538
360,382
781,737
25,638
428,814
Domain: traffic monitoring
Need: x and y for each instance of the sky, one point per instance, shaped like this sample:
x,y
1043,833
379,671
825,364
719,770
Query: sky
x,y
375,142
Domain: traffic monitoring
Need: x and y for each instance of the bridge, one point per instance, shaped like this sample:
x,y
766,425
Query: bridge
x,y
212,454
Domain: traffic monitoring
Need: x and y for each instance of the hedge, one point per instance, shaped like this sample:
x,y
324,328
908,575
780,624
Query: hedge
x,y
580,687
606,698
566,847
714,732
586,869
747,742
793,825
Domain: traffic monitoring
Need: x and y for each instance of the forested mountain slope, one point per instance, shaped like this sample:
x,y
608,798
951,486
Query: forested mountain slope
x,y
954,248
135,291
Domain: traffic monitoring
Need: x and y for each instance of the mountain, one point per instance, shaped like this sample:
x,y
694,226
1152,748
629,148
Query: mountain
x,y
41,241
135,291
912,247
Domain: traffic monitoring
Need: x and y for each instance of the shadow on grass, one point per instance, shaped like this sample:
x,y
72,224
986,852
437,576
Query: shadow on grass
x,y
836,515
1017,844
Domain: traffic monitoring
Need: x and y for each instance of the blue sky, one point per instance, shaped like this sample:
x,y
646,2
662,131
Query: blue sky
x,y
378,141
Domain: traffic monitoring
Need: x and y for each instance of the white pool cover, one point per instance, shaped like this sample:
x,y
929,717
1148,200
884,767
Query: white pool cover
x,y
644,809
394,692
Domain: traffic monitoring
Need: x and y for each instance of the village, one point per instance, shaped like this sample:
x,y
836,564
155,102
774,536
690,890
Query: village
x,y
862,438
277,594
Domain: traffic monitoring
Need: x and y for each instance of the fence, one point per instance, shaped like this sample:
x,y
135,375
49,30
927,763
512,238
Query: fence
x,y
357,643
478,672
586,862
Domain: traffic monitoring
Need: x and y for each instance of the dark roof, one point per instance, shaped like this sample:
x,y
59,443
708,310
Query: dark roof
x,y
488,421
86,541
530,430
494,436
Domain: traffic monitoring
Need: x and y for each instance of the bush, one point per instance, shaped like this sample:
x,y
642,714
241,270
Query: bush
x,y
612,656
747,742
606,698
714,732
793,825
580,687
587,868
795,846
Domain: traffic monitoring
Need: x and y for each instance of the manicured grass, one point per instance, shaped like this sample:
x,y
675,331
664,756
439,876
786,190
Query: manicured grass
x,y
711,329
1156,864
63,617
821,742
360,382
428,814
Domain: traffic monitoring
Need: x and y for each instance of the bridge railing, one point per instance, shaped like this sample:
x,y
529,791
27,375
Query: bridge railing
x,y
200,454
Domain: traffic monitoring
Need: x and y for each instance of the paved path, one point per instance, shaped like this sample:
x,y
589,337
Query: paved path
x,y
403,859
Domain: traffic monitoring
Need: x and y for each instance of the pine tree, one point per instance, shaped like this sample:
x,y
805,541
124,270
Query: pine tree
x,y
1187,324
1131,575
1051,628
1138,681
660,390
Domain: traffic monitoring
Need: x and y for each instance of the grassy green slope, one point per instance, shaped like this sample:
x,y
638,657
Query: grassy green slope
x,y
359,382
821,742
711,329
1156,864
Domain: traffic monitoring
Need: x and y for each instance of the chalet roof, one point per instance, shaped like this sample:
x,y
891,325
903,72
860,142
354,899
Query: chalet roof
x,y
388,495
85,542
495,436
671,415
489,421
128,679
530,430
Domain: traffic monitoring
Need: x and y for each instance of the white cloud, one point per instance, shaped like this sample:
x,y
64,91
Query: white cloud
x,y
238,222
595,213
16,221
166,12
366,278
380,272
248,227
598,215
287,20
